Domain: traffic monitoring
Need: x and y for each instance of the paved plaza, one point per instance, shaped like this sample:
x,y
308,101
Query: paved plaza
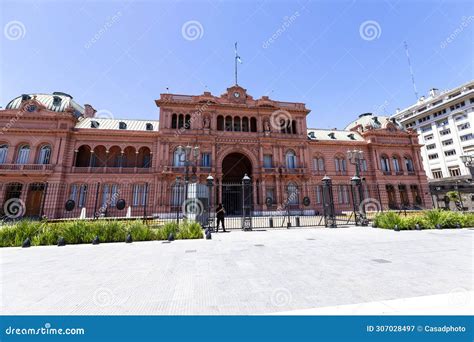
x,y
297,271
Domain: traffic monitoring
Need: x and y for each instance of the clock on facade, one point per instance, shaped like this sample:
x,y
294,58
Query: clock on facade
x,y
236,94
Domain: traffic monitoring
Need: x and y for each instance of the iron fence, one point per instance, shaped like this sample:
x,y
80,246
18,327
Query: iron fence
x,y
250,205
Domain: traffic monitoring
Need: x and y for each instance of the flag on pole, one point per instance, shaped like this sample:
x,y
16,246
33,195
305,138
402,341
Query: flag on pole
x,y
237,57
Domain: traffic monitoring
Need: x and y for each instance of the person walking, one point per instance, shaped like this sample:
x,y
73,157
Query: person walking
x,y
220,214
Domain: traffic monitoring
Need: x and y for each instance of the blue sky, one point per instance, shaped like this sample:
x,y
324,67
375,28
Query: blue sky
x,y
119,56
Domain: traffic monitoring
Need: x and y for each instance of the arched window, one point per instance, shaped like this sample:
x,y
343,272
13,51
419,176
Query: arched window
x,y
3,153
253,125
396,164
23,154
179,157
180,121
385,163
187,122
44,155
318,164
83,157
236,124
291,159
409,164
174,121
292,193
340,164
78,193
220,123
245,124
228,123
293,126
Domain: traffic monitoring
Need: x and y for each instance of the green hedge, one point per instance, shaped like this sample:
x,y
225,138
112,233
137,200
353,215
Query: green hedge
x,y
427,220
82,231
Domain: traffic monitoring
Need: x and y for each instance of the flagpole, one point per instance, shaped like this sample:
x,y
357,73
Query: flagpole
x,y
235,62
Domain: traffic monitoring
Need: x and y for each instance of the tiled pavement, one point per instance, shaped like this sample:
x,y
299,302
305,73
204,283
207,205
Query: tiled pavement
x,y
256,272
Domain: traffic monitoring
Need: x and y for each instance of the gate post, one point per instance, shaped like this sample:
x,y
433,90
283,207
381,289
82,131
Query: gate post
x,y
45,193
328,203
145,201
96,200
246,203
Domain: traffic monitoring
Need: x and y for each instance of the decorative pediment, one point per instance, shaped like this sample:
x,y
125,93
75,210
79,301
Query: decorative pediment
x,y
236,94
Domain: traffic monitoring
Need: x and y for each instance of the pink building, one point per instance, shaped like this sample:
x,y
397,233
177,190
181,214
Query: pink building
x,y
53,150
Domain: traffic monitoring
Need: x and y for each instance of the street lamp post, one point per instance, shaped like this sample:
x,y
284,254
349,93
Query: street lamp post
x,y
210,219
246,203
188,156
355,158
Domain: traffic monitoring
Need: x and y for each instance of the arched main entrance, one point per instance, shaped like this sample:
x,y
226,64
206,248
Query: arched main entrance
x,y
234,167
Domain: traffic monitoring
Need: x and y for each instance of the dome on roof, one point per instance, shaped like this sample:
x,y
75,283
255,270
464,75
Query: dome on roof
x,y
373,121
56,102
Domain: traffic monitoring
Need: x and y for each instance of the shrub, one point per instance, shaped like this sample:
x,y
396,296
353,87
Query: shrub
x,y
434,217
190,230
140,231
410,222
449,219
388,220
162,233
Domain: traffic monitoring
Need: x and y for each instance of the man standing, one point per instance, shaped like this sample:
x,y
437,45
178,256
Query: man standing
x,y
220,212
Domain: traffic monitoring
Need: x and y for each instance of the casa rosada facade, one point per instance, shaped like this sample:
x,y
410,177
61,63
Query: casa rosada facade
x,y
49,142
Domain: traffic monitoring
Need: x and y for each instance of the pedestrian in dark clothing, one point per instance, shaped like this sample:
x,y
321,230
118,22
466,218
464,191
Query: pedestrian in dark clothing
x,y
220,213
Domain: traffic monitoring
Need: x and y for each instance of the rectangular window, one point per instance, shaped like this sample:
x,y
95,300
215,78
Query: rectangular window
x,y
431,147
270,194
426,128
433,156
363,165
460,117
437,173
206,159
267,161
318,194
464,126
442,123
454,171
450,153
466,137
445,132
447,142
428,137
139,195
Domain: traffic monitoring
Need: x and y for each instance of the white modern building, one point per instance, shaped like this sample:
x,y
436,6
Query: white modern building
x,y
444,121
